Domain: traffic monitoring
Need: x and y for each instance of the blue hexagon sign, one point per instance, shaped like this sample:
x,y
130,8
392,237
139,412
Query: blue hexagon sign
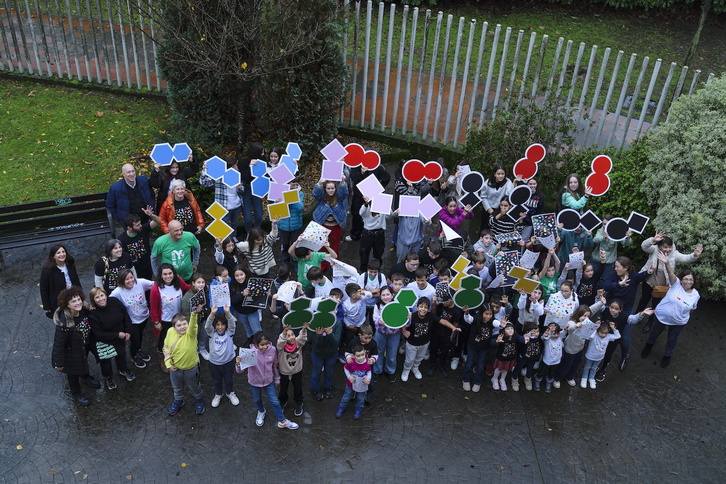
x,y
164,154
216,168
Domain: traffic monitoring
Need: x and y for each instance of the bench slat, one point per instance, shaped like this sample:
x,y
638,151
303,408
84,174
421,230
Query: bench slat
x,y
40,215
52,203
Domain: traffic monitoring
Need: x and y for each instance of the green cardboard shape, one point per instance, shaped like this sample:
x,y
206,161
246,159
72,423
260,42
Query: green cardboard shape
x,y
395,314
469,294
299,313
325,315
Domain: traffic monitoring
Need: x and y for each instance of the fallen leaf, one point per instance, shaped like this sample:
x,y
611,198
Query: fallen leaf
x,y
129,477
20,447
184,464
321,447
77,472
99,114
423,395
53,471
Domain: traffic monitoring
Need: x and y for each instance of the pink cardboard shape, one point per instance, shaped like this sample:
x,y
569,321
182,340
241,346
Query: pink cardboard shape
x,y
382,203
370,187
334,151
281,174
276,190
408,205
428,207
332,170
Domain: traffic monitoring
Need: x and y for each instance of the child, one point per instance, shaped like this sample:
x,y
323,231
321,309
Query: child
x,y
305,259
421,286
258,250
450,318
397,283
418,338
530,350
574,342
501,224
321,284
372,280
249,316
587,285
614,313
227,254
291,227
290,359
407,268
599,341
283,276
605,245
550,359
505,359
561,305
531,307
440,266
355,314
373,236
410,235
358,377
365,339
198,296
548,276
324,344
480,338
220,328
386,338
180,357
486,246
265,376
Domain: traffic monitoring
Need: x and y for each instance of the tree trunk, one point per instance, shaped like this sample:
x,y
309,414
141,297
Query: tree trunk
x,y
242,107
697,36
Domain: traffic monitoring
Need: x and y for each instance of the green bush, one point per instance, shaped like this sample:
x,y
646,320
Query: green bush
x,y
686,177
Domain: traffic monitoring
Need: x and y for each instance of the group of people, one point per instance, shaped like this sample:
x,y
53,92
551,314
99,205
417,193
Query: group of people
x,y
583,310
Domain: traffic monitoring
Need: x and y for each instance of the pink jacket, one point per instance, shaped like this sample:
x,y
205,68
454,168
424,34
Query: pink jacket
x,y
455,220
266,371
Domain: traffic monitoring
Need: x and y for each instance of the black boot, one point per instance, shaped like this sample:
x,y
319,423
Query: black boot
x,y
646,350
442,367
432,369
665,361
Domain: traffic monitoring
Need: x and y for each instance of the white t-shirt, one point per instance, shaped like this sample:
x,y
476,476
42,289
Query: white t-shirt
x,y
134,300
171,302
676,306
428,292
64,270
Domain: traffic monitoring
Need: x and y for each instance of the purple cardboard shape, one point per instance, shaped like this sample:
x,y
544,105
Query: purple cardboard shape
x,y
370,187
332,170
281,174
382,203
428,207
408,205
334,151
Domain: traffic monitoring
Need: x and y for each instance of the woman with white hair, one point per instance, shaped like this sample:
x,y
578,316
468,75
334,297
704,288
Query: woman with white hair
x,y
182,206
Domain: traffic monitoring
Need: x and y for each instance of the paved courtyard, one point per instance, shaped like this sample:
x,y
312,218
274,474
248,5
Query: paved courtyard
x,y
645,424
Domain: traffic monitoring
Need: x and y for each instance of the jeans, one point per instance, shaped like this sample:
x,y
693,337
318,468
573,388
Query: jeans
x,y
271,396
321,364
360,398
673,332
285,380
387,352
286,239
232,217
568,365
251,202
190,378
414,356
478,357
357,225
590,368
222,373
251,322
402,250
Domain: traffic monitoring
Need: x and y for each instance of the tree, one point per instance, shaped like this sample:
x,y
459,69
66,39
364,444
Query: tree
x,y
697,36
686,178
220,56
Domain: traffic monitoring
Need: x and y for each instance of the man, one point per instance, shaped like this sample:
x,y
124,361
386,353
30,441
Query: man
x,y
357,175
135,241
131,194
178,248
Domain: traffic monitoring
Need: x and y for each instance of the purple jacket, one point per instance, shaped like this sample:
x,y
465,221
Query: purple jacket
x,y
266,370
455,220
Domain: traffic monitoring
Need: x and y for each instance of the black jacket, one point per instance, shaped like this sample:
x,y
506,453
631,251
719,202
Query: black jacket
x,y
70,343
52,282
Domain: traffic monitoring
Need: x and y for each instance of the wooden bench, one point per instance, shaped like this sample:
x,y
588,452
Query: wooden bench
x,y
54,220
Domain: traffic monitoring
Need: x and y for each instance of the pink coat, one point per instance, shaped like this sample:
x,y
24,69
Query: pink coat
x,y
453,220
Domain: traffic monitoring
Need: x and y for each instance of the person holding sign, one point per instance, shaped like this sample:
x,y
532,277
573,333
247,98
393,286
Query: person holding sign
x,y
574,195
331,209
165,302
496,187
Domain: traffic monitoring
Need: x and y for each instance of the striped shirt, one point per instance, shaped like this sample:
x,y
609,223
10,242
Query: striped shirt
x,y
261,259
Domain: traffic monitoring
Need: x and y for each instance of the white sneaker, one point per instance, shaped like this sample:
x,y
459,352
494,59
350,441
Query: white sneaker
x,y
556,384
475,388
204,354
583,383
495,383
260,420
463,358
454,363
528,383
287,424
427,355
417,373
503,385
233,398
571,383
593,383
466,386
404,375
348,238
216,400
515,384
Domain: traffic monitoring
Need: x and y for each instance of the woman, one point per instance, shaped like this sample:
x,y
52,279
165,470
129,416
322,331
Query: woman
x,y
453,215
110,325
653,247
162,181
166,302
500,222
623,285
58,273
673,311
182,206
132,294
274,158
72,342
574,194
496,187
108,266
535,206
331,209
250,202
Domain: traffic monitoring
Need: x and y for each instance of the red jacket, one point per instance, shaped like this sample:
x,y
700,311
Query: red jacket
x,y
166,214
155,302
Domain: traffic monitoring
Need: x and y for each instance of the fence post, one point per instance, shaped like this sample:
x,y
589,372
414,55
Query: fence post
x,y
386,84
636,93
376,69
475,89
485,99
442,78
432,74
648,94
663,95
401,48
621,100
364,91
464,80
502,66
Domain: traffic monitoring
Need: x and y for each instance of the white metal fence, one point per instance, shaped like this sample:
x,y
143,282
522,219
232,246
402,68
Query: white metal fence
x,y
414,73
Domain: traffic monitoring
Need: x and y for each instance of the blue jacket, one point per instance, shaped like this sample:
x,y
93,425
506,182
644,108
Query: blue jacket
x,y
295,220
322,210
117,200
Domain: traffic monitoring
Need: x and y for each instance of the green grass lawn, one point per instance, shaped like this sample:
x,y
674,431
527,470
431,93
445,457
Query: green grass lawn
x,y
58,142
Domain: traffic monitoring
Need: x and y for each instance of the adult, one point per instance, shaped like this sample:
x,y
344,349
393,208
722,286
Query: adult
x,y
535,206
357,175
111,326
110,264
653,246
290,228
135,240
131,194
166,302
182,206
72,342
453,215
229,197
623,285
494,189
132,294
58,273
331,210
574,195
178,248
401,186
673,311
251,203
162,179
